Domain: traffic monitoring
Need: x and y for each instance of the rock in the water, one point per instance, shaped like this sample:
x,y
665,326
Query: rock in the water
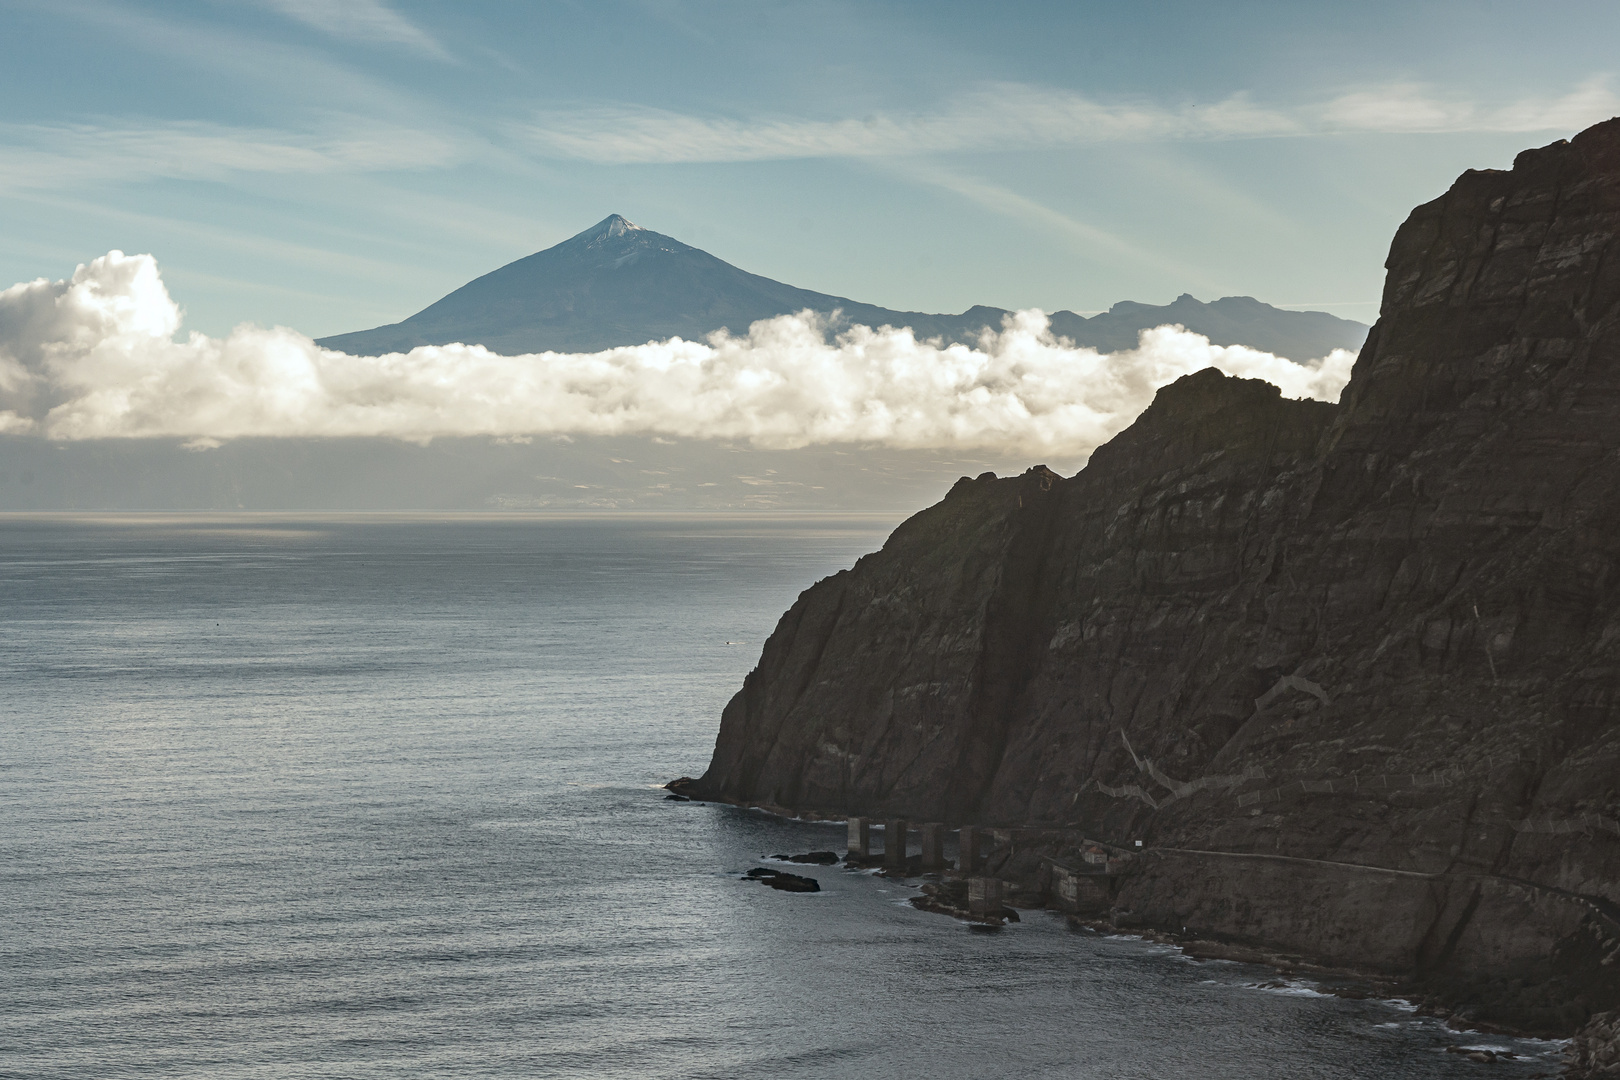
x,y
778,879
1351,672
818,858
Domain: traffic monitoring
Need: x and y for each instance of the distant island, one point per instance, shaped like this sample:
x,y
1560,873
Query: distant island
x,y
612,285
1349,674
619,284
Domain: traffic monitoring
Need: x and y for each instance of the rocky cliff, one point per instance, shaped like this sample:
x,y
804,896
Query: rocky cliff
x,y
1350,672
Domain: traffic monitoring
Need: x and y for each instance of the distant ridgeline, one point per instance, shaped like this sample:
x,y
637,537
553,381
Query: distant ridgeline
x,y
619,284
1349,673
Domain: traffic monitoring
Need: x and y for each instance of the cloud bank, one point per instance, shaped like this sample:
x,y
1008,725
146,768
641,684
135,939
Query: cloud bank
x,y
96,357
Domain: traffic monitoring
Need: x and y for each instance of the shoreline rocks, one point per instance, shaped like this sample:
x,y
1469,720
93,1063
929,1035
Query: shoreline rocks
x,y
950,897
1595,1051
816,858
781,879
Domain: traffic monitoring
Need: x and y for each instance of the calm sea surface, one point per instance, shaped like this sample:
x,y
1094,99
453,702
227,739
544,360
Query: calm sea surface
x,y
370,797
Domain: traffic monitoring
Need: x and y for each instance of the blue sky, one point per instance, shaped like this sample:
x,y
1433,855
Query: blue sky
x,y
333,164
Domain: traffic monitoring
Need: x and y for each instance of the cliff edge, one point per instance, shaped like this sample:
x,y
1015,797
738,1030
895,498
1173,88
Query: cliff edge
x,y
1350,672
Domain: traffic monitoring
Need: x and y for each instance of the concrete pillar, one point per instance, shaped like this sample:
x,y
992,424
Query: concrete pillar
x,y
933,847
984,896
894,843
860,836
969,849
1067,888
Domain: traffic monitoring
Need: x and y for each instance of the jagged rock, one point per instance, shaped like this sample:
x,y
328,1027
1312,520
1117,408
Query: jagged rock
x,y
1595,1050
779,879
819,858
1351,671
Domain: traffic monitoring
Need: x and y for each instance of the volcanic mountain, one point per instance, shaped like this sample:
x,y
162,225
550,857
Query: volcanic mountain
x,y
619,284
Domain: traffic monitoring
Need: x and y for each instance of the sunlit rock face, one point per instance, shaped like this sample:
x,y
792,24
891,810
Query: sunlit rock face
x,y
1350,671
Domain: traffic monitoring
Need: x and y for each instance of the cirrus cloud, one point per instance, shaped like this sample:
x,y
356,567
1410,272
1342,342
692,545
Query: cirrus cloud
x,y
55,157
1006,116
366,21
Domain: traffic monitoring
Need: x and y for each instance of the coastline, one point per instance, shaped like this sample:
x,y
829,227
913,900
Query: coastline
x,y
1034,891
1293,971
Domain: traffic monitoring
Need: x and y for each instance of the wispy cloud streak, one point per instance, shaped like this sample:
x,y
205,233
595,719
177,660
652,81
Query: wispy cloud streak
x,y
42,157
366,21
1016,116
50,158
1019,207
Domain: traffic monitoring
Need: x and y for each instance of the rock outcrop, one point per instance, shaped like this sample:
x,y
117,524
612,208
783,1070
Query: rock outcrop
x,y
1351,672
1595,1052
781,879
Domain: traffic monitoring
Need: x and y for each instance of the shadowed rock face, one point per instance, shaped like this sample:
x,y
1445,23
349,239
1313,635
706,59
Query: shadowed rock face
x,y
1349,671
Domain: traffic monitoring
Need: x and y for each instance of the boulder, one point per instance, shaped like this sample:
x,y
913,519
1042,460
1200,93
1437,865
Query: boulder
x,y
779,879
817,858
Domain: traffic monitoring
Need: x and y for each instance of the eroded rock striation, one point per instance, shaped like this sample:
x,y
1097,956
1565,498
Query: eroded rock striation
x,y
1350,672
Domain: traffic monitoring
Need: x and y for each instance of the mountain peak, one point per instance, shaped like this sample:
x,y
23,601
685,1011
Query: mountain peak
x,y
617,283
614,225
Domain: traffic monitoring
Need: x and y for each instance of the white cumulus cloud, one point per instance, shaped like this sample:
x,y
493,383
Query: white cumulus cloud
x,y
96,356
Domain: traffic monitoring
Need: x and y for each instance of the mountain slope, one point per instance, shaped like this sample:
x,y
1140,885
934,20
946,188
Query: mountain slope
x,y
619,284
1351,673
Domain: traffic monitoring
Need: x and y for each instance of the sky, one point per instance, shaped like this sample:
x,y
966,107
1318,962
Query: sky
x,y
329,165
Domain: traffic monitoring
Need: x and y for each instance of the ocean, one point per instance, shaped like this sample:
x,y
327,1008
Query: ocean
x,y
373,796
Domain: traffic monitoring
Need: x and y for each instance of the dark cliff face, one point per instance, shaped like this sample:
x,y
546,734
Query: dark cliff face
x,y
897,685
1349,671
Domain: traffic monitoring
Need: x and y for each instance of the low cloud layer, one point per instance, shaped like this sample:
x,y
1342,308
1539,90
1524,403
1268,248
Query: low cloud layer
x,y
96,357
